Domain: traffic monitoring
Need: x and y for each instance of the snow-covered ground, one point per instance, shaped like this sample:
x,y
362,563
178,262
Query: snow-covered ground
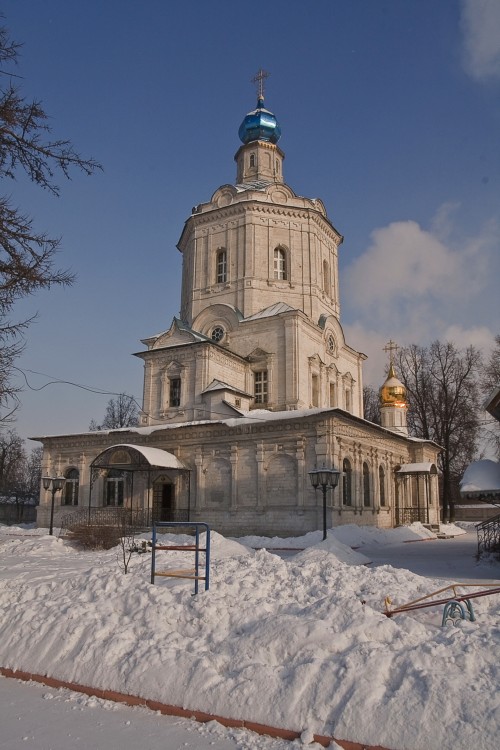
x,y
34,717
299,642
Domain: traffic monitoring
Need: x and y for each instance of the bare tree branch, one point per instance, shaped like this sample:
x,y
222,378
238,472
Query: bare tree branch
x,y
26,256
444,405
120,412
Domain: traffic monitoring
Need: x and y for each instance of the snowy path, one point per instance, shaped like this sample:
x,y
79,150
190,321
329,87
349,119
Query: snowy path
x,y
34,717
452,559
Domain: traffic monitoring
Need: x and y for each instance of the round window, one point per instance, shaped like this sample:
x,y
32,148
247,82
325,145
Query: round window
x,y
217,333
330,343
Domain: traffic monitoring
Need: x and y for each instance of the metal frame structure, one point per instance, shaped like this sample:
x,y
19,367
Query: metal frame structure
x,y
407,514
137,461
488,536
190,573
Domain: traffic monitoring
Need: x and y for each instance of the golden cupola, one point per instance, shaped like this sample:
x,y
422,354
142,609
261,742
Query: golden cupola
x,y
393,404
393,392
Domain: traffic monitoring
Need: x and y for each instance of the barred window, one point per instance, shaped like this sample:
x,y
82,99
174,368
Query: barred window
x,y
347,482
260,389
221,272
366,485
175,392
315,390
114,488
326,278
348,400
280,271
332,394
70,493
381,481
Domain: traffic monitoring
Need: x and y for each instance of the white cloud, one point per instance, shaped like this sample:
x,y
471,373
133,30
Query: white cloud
x,y
480,22
416,285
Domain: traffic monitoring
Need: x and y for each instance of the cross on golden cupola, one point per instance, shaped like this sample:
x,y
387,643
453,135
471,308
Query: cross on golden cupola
x,y
393,392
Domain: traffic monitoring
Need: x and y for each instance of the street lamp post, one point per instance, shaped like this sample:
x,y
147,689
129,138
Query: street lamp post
x,y
326,479
54,484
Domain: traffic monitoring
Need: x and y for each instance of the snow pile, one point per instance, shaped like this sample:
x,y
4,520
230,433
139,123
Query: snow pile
x,y
300,643
342,551
353,536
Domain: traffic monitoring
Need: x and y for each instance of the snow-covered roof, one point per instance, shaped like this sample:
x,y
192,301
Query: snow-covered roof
x,y
276,309
156,457
481,478
492,404
247,417
419,468
219,385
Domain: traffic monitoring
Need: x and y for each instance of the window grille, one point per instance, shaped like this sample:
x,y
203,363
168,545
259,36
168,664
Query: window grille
x,y
260,387
175,392
221,274
366,486
347,482
280,264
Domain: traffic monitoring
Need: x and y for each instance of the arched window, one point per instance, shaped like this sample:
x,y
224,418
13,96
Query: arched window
x,y
252,160
280,271
70,494
381,482
326,278
366,485
346,482
114,488
221,267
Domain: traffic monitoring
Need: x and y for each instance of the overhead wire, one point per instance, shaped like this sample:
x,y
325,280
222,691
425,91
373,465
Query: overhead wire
x,y
102,392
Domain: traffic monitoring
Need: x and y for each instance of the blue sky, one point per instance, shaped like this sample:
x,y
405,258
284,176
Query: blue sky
x,y
390,113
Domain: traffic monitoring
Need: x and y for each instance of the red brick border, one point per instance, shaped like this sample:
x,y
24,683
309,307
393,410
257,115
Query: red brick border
x,y
185,713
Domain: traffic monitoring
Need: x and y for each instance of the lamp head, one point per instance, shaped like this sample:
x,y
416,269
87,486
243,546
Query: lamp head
x,y
324,477
58,483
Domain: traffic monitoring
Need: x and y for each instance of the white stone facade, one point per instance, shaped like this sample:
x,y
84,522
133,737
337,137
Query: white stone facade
x,y
254,385
250,475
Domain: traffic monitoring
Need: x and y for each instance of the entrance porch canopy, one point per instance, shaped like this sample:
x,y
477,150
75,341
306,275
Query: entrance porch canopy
x,y
136,458
131,459
408,507
422,468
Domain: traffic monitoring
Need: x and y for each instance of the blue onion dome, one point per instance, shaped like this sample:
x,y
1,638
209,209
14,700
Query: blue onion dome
x,y
260,125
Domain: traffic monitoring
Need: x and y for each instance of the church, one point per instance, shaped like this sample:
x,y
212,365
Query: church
x,y
253,385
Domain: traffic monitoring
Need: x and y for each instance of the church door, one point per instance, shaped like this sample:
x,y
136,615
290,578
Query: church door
x,y
163,501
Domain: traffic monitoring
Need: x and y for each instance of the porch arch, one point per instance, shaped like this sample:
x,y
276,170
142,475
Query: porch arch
x,y
152,464
416,492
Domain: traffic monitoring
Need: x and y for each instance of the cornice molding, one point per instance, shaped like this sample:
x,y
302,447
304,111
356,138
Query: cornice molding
x,y
253,205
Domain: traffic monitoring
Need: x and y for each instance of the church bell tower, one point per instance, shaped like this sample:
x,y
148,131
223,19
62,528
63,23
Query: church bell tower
x,y
257,243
